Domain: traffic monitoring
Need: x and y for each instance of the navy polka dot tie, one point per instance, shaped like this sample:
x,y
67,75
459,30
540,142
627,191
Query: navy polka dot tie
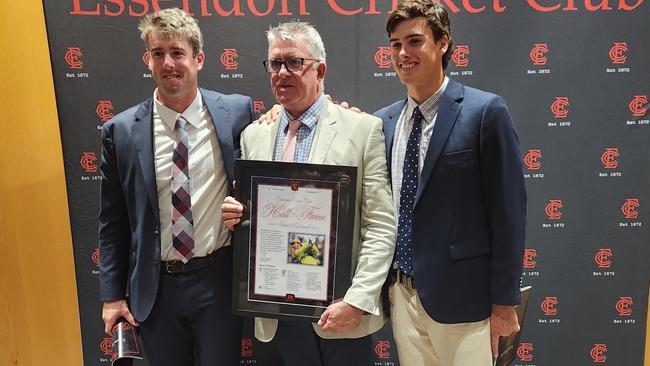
x,y
404,255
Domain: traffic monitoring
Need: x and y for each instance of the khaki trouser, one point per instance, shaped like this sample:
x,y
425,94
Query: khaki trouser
x,y
421,341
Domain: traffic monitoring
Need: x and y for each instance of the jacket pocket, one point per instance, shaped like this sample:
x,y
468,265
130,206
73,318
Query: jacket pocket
x,y
468,249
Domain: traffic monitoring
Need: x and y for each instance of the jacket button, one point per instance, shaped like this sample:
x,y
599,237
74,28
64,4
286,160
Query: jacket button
x,y
155,262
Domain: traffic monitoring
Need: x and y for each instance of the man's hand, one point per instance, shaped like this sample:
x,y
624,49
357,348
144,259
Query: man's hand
x,y
503,322
270,116
345,105
112,311
340,317
231,212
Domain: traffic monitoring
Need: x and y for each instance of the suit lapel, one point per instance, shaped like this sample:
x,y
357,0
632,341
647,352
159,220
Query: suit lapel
x,y
142,132
448,111
390,122
221,118
325,132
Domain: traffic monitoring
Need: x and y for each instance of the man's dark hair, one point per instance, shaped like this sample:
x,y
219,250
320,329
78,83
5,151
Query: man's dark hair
x,y
436,16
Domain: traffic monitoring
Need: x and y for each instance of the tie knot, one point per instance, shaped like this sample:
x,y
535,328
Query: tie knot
x,y
417,115
294,125
180,123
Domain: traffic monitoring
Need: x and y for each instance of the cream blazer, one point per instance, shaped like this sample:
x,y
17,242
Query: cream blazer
x,y
348,138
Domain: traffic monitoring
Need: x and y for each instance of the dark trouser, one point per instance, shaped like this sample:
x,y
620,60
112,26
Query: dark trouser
x,y
191,323
299,345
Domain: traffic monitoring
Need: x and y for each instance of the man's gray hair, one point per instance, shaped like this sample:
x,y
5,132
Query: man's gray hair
x,y
299,31
172,22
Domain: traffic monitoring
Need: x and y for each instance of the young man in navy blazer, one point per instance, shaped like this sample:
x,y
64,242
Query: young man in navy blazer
x,y
459,198
165,256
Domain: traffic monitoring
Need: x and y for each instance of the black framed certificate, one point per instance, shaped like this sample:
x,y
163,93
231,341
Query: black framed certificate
x,y
293,247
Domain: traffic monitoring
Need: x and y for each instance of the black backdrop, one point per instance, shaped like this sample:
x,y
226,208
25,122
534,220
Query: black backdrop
x,y
572,72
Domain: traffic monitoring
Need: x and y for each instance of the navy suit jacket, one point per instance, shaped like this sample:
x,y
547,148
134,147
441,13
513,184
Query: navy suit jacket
x,y
470,207
129,223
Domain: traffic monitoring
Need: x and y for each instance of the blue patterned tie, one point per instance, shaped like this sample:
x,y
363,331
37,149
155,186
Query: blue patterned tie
x,y
404,257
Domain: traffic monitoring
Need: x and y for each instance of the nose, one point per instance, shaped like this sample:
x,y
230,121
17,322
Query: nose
x,y
283,72
168,62
403,53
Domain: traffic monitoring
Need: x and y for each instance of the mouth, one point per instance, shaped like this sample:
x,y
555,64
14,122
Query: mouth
x,y
172,76
406,66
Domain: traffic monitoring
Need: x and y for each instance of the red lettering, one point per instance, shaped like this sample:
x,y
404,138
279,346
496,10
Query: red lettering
x,y
253,8
570,6
536,6
342,11
204,9
120,5
372,7
76,9
450,5
603,5
622,5
155,5
498,8
236,9
145,8
470,8
285,9
186,8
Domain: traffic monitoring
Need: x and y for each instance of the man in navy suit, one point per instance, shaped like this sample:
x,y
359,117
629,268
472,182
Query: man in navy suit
x,y
165,255
460,202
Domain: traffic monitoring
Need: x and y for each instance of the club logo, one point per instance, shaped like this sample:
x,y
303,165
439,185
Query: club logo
x,y
529,258
229,59
104,110
525,352
459,56
609,158
538,54
531,160
74,58
95,256
623,306
106,345
246,347
639,105
603,258
599,353
382,349
560,107
382,57
630,208
549,305
88,162
618,53
258,106
554,209
145,58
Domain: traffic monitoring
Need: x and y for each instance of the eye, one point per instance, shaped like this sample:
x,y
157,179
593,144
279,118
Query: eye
x,y
276,64
415,41
396,45
294,63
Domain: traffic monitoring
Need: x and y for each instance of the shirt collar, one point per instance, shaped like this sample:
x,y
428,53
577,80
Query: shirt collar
x,y
430,106
169,116
309,118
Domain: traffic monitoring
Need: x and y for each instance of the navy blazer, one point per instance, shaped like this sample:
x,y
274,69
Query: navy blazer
x,y
470,207
129,223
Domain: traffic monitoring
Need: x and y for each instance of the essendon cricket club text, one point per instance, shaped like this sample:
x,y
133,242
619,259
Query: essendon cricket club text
x,y
292,8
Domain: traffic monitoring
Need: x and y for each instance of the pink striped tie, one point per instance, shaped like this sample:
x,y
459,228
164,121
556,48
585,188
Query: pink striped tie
x,y
289,146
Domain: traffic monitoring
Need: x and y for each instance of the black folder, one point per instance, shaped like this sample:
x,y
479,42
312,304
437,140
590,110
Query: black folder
x,y
508,345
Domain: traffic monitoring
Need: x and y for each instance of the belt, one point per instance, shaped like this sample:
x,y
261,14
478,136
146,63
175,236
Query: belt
x,y
398,276
195,263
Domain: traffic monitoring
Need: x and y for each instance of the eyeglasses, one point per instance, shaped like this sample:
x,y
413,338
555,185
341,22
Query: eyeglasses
x,y
293,64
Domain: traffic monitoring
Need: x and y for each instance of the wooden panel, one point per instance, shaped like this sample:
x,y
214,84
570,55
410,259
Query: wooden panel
x,y
39,317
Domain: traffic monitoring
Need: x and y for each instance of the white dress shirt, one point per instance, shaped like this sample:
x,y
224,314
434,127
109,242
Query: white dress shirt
x,y
429,109
208,180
